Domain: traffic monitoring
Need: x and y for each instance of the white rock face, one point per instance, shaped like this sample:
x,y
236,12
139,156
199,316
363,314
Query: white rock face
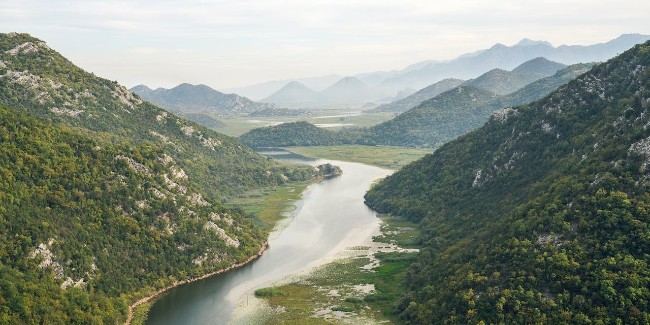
x,y
125,97
2,65
503,114
479,178
173,185
40,86
136,166
197,199
65,111
161,118
209,142
47,258
187,130
222,234
26,48
549,239
84,94
641,147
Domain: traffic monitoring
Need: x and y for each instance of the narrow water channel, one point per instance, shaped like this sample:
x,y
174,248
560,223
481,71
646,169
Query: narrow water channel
x,y
330,215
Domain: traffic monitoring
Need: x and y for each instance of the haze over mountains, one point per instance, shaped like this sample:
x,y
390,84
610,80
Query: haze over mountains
x,y
348,90
386,84
431,122
498,81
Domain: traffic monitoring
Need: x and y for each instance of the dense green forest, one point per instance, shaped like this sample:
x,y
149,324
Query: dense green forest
x,y
85,221
429,124
541,215
290,134
105,198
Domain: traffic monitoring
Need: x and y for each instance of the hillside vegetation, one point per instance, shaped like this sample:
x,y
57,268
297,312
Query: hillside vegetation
x,y
105,198
290,134
541,215
85,221
39,80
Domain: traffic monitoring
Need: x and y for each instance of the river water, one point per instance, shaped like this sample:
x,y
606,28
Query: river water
x,y
330,216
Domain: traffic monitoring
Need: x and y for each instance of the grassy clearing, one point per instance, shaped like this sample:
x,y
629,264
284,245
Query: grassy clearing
x,y
398,231
386,157
271,204
345,290
238,125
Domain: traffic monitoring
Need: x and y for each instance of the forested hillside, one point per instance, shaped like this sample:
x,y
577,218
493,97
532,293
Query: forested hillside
x,y
87,220
290,134
541,215
105,198
39,80
432,122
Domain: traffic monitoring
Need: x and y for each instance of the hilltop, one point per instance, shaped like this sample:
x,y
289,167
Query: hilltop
x,y
186,98
293,92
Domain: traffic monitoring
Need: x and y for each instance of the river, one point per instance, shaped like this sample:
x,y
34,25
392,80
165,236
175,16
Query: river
x,y
330,216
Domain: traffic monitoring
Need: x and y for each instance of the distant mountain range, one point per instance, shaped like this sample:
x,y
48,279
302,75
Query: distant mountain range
x,y
266,89
186,98
432,122
458,111
348,90
386,84
292,93
507,58
498,81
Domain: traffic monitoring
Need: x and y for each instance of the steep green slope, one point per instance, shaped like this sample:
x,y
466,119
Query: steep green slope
x,y
433,122
87,221
37,79
541,215
105,198
290,134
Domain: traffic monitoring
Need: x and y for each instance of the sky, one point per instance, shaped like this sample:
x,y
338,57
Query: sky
x,y
225,44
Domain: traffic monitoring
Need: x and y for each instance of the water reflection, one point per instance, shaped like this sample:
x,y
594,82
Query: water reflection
x,y
330,214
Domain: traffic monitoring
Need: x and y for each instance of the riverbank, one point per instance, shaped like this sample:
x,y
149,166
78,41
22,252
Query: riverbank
x,y
314,232
156,294
360,285
269,206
